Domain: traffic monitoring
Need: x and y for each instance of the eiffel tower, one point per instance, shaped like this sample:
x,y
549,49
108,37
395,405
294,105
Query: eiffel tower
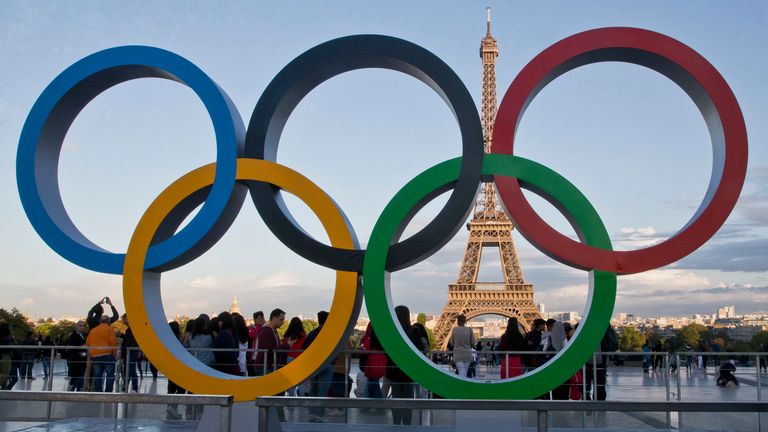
x,y
489,227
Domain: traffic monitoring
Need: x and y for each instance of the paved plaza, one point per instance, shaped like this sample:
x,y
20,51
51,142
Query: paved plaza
x,y
627,383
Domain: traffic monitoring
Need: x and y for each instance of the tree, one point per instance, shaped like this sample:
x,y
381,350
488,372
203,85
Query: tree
x,y
631,339
690,335
58,331
20,324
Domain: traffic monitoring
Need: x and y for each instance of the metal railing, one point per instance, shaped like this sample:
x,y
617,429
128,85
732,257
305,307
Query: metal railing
x,y
541,408
225,402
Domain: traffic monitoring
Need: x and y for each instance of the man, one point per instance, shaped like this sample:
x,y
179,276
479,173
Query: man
x,y
102,344
97,311
253,331
532,342
596,366
321,382
129,352
267,341
76,358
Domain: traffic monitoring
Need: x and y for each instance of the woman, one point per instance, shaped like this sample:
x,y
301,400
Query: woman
x,y
200,343
241,337
171,412
226,358
463,341
295,333
402,385
557,340
511,340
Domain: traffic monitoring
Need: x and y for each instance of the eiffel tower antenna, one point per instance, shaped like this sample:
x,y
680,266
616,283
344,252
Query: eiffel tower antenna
x,y
489,227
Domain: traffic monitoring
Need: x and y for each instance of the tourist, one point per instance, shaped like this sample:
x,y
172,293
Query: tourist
x,y
596,366
97,311
268,341
556,342
46,354
532,342
321,382
726,377
28,355
374,365
463,340
201,342
102,344
226,345
295,331
6,340
129,352
658,356
77,358
646,349
171,411
511,340
402,385
241,337
253,331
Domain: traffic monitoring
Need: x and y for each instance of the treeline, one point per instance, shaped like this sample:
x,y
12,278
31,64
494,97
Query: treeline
x,y
695,336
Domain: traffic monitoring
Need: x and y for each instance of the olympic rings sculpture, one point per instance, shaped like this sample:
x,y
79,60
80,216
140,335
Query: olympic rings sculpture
x,y
245,164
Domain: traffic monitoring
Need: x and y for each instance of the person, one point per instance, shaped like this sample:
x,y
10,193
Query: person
x,y
102,344
763,348
253,331
597,373
532,342
45,355
171,411
374,365
321,382
242,339
646,349
225,342
402,385
658,355
201,342
76,358
28,354
463,340
295,331
726,377
556,342
268,341
129,352
511,340
6,340
97,311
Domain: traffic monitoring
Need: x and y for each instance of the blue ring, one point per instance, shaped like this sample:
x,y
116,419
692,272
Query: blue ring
x,y
52,115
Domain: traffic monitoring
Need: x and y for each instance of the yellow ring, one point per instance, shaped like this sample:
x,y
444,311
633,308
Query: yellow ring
x,y
141,290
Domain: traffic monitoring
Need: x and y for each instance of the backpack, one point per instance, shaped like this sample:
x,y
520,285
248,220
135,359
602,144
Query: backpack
x,y
375,366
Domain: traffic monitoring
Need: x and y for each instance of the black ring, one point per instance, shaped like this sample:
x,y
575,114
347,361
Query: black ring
x,y
323,62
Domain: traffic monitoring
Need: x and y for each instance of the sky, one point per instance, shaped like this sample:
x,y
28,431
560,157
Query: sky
x,y
627,137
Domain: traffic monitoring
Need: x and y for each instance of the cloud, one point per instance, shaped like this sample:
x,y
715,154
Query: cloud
x,y
731,256
281,279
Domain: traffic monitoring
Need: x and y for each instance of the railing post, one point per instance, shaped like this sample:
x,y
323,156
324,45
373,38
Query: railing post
x,y
541,424
263,418
679,386
666,374
225,418
757,376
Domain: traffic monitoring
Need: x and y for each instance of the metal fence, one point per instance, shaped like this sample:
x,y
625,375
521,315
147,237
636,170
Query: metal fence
x,y
49,397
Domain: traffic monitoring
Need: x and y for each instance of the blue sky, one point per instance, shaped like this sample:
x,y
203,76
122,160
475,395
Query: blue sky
x,y
627,137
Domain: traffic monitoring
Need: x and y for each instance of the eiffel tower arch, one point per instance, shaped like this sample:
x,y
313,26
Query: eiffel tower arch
x,y
489,227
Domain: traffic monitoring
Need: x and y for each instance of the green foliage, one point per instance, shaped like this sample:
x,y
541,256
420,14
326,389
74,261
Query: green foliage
x,y
19,324
691,335
61,329
759,342
631,339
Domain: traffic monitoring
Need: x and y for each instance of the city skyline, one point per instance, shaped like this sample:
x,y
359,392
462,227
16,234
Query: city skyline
x,y
589,125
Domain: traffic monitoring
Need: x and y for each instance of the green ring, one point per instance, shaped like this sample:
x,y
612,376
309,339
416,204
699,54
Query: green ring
x,y
378,299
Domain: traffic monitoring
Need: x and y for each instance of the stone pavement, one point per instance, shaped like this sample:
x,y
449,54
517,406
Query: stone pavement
x,y
624,383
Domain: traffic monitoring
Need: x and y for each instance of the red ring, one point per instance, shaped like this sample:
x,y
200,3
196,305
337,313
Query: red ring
x,y
690,71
